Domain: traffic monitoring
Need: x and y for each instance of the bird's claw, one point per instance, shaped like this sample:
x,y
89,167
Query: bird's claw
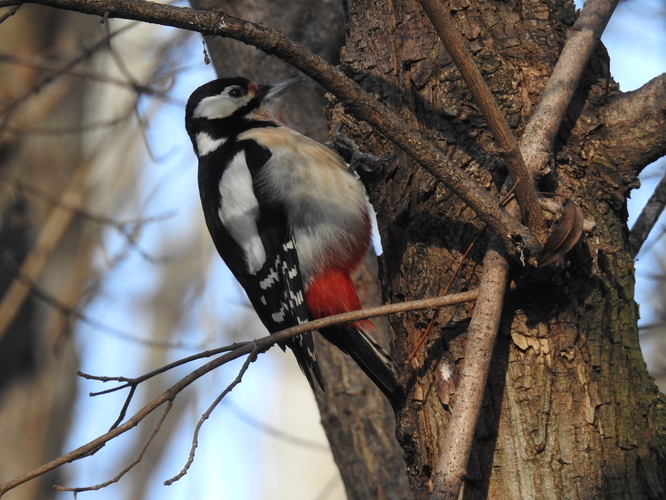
x,y
357,159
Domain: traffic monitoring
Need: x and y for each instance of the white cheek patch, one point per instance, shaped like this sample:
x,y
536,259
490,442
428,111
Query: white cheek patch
x,y
206,144
218,106
239,211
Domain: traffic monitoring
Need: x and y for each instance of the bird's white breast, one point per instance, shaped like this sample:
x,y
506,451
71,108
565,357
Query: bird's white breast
x,y
239,211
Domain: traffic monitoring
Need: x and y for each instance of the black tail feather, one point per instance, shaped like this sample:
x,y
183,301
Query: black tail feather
x,y
370,357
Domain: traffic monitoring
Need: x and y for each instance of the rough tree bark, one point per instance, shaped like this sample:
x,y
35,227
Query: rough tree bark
x,y
569,405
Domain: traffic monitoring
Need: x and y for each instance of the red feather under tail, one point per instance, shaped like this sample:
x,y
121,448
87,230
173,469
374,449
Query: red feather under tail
x,y
332,292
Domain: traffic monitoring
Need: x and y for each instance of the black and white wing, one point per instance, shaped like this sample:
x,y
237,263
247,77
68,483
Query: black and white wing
x,y
252,236
282,297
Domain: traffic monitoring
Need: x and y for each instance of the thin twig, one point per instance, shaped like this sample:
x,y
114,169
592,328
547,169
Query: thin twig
x,y
127,228
135,420
462,261
522,181
517,238
538,138
66,130
129,382
647,218
63,70
481,335
206,415
129,466
132,384
75,313
9,13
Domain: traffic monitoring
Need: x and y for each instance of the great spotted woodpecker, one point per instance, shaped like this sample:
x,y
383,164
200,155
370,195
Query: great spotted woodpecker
x,y
288,219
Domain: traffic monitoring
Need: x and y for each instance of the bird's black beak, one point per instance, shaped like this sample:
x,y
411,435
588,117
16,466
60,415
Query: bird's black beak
x,y
275,90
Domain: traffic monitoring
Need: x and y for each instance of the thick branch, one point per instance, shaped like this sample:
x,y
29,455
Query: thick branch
x,y
481,335
648,218
515,236
634,124
539,136
536,145
524,184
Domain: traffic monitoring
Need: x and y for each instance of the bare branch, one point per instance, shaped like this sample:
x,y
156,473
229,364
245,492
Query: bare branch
x,y
195,439
129,382
63,70
337,319
643,112
523,182
133,383
73,312
516,237
126,227
648,218
258,346
129,466
96,443
9,13
538,138
481,335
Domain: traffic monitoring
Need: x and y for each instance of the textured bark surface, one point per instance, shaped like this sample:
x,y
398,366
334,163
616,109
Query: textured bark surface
x,y
570,406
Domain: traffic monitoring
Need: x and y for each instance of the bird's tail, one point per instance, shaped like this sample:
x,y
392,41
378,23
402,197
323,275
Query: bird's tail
x,y
353,340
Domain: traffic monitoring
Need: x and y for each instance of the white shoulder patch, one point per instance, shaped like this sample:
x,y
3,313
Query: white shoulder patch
x,y
206,144
239,211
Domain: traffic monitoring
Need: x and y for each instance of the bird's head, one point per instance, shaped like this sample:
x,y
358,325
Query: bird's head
x,y
226,97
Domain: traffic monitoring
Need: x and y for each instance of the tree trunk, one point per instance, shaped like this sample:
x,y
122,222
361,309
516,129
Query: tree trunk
x,y
569,405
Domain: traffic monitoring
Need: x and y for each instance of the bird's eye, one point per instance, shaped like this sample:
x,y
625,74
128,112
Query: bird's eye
x,y
236,92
